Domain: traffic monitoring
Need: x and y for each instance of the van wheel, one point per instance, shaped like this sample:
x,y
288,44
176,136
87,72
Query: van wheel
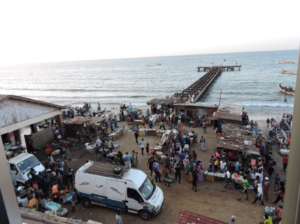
x,y
86,203
117,170
145,215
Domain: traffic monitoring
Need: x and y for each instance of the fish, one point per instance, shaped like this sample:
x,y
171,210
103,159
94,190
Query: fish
x,y
114,189
84,183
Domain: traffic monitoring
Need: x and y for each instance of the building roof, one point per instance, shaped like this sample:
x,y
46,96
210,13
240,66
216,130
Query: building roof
x,y
230,109
195,105
227,116
79,120
185,217
6,97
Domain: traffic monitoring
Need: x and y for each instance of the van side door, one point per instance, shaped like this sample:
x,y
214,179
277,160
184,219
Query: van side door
x,y
134,200
116,194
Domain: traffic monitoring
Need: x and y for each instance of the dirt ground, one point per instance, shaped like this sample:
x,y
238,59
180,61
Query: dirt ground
x,y
211,200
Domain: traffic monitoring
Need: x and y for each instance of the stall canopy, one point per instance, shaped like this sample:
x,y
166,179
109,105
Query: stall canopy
x,y
79,120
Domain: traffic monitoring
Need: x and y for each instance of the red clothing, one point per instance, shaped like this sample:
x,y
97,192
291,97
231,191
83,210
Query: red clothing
x,y
279,212
285,160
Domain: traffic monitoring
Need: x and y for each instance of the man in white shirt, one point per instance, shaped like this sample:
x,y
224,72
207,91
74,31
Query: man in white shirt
x,y
142,145
223,166
98,142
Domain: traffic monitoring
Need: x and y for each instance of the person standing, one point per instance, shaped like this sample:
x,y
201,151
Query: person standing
x,y
268,122
227,179
259,194
167,162
285,160
204,125
156,171
150,163
162,123
178,171
194,156
245,184
112,125
118,218
147,149
202,143
74,199
200,173
266,188
69,174
136,135
195,180
281,192
98,142
127,159
142,145
30,145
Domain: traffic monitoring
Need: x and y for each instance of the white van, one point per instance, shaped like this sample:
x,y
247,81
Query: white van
x,y
120,188
20,166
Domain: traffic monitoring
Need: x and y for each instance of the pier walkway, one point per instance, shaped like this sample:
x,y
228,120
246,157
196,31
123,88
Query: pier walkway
x,y
224,68
196,90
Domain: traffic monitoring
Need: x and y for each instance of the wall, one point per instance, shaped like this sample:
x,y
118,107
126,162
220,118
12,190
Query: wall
x,y
42,137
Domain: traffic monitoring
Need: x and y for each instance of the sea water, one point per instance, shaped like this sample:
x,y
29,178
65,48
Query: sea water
x,y
138,80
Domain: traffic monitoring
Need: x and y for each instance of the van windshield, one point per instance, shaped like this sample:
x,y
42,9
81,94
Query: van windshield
x,y
147,188
26,164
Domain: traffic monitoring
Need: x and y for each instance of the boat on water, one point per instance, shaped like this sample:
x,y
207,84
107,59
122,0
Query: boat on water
x,y
153,65
287,90
288,73
285,62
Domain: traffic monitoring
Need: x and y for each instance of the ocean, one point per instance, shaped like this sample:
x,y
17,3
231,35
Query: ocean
x,y
116,81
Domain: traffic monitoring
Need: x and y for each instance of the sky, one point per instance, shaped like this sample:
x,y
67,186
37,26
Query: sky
x,y
51,31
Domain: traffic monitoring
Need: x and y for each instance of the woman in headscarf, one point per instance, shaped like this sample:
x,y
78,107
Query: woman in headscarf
x,y
200,173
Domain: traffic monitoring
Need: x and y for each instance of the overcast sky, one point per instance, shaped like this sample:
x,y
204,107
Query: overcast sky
x,y
46,31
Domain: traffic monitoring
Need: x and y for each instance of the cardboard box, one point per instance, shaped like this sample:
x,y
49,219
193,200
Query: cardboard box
x,y
210,178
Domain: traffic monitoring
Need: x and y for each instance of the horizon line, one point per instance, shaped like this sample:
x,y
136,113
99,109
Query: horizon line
x,y
48,62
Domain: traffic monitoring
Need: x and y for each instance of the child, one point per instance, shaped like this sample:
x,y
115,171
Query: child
x,y
64,195
277,180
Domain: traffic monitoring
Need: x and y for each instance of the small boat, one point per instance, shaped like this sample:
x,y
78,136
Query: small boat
x,y
289,73
286,90
285,62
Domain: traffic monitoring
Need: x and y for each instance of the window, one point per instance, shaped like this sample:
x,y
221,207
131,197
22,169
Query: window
x,y
147,188
26,164
133,194
13,167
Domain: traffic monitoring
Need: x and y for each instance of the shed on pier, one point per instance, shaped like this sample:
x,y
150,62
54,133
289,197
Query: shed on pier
x,y
194,110
228,113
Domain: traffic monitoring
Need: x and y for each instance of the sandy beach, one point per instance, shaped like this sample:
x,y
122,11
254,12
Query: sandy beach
x,y
211,200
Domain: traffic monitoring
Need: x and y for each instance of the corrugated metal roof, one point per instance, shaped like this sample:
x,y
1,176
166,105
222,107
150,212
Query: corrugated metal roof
x,y
6,97
227,116
185,217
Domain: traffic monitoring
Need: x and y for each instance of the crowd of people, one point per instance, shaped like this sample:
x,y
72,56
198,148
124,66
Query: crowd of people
x,y
56,181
